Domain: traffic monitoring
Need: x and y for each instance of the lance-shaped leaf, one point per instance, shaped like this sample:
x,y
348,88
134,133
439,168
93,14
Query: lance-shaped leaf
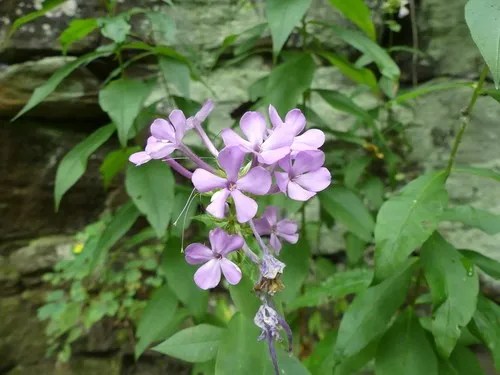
x,y
486,324
482,17
282,17
405,349
487,265
74,163
454,287
370,313
357,12
77,29
122,100
406,220
151,187
474,217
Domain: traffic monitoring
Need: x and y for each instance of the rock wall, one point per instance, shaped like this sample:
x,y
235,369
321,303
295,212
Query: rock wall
x,y
33,237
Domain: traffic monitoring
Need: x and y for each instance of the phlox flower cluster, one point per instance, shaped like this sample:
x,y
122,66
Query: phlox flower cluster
x,y
277,158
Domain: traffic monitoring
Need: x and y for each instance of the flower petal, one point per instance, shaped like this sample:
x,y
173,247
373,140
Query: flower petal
x,y
280,137
204,111
162,129
310,140
139,158
218,238
205,181
262,225
231,271
253,125
275,242
231,159
233,242
290,238
282,180
246,208
218,206
208,275
298,193
287,227
178,119
271,213
316,181
197,253
231,138
286,164
295,121
306,161
273,156
256,181
160,150
274,117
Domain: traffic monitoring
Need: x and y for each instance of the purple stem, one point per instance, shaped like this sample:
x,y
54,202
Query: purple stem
x,y
258,237
272,352
196,159
274,189
178,168
204,138
250,254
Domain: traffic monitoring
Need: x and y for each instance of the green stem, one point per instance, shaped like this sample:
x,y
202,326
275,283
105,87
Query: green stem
x,y
465,119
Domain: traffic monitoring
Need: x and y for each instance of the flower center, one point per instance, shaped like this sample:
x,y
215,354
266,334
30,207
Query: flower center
x,y
231,186
217,256
274,228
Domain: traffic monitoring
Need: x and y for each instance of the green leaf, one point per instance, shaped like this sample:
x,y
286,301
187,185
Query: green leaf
x,y
454,288
74,163
288,365
48,5
151,187
122,100
163,26
354,170
51,84
425,89
282,17
355,248
175,72
296,258
114,162
474,217
495,94
373,191
77,30
119,225
115,28
155,319
405,349
353,364
345,206
288,81
194,344
358,75
239,351
336,286
483,172
406,220
371,311
357,12
321,360
180,275
465,362
488,265
482,18
486,319
386,65
345,104
244,297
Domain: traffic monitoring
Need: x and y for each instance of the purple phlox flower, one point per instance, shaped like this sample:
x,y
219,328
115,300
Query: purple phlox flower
x,y
268,148
295,123
303,177
166,137
256,181
215,259
270,322
269,224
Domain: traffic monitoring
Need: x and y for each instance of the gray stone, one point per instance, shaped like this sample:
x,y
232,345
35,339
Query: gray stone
x,y
77,366
77,94
9,277
41,254
28,163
